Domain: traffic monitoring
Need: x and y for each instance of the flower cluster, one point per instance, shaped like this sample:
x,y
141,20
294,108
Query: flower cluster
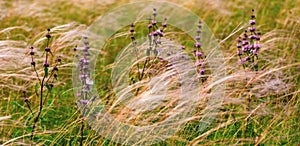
x,y
248,45
155,33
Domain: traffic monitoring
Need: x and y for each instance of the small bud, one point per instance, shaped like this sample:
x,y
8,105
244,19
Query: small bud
x,y
198,54
153,22
46,64
51,85
164,24
26,99
197,45
132,37
150,26
48,36
202,71
24,92
58,59
33,63
131,30
31,53
55,75
47,49
55,68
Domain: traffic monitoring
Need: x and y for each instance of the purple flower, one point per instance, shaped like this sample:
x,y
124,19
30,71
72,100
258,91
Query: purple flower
x,y
78,94
197,45
182,47
245,42
239,53
252,22
197,38
255,52
257,38
150,26
251,29
202,71
26,99
239,46
198,54
46,64
252,37
257,46
153,22
164,24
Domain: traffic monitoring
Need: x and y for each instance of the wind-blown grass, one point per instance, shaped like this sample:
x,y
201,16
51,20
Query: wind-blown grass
x,y
273,118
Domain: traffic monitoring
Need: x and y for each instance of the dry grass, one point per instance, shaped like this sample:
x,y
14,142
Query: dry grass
x,y
271,118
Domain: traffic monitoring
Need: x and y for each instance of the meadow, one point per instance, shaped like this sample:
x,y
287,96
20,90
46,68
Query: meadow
x,y
260,103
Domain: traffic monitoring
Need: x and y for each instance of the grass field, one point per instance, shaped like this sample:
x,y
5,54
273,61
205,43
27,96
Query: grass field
x,y
259,108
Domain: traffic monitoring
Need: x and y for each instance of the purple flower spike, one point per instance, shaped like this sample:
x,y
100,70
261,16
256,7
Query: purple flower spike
x,y
197,45
198,54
